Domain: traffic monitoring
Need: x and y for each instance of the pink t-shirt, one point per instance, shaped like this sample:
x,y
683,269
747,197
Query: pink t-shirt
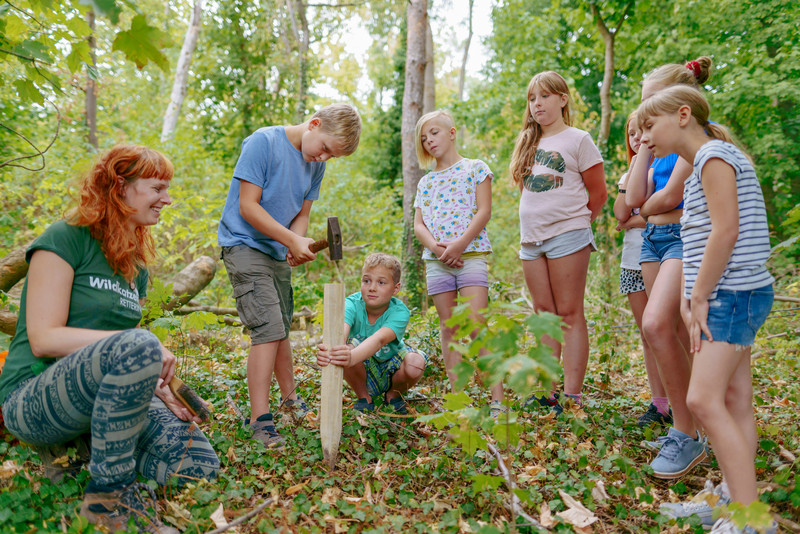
x,y
554,196
447,200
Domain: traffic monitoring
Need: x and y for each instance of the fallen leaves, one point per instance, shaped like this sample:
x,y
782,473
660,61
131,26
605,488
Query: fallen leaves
x,y
576,514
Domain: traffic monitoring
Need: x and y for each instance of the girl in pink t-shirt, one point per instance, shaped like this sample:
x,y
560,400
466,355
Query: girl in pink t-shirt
x,y
452,206
560,175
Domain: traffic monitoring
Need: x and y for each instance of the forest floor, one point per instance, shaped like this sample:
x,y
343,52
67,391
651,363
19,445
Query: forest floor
x,y
584,471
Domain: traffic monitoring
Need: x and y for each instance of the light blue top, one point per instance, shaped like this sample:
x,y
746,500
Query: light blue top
x,y
270,161
395,317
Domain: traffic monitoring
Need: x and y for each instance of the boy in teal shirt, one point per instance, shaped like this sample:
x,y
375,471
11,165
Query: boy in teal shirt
x,y
375,359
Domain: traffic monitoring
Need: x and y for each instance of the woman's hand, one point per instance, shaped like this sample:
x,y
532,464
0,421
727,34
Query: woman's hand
x,y
168,362
165,394
340,355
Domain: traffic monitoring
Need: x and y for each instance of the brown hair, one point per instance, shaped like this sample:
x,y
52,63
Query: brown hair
x,y
443,118
694,73
343,122
628,122
528,139
387,261
671,99
102,207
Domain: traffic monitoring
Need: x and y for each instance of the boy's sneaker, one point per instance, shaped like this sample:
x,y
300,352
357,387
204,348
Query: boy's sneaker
x,y
679,453
701,505
115,509
296,408
364,405
399,405
653,417
725,525
264,431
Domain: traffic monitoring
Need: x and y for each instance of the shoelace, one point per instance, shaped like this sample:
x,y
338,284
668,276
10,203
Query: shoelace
x,y
670,448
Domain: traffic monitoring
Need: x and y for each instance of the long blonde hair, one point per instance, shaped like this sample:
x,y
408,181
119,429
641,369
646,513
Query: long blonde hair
x,y
694,73
528,139
670,100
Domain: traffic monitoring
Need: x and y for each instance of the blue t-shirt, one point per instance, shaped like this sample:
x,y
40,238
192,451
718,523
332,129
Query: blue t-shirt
x,y
662,170
395,317
270,161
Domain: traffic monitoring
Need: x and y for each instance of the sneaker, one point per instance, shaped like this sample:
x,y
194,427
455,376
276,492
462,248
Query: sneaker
x,y
653,417
544,400
296,408
496,408
725,525
399,405
364,405
114,510
264,431
679,453
701,505
58,463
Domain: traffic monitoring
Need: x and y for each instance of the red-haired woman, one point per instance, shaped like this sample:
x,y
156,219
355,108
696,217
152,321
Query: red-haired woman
x,y
78,363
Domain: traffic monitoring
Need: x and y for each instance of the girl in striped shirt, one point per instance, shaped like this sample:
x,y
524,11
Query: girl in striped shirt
x,y
727,290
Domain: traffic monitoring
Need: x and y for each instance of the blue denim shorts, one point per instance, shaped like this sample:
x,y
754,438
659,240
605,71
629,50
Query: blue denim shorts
x,y
661,242
735,316
558,246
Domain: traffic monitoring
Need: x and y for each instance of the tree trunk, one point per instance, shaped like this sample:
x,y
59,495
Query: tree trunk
x,y
8,322
182,72
463,73
91,85
297,13
416,16
429,96
191,280
13,268
608,70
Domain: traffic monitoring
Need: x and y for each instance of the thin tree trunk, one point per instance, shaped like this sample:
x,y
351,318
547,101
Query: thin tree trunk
x,y
182,72
463,73
416,16
608,70
429,95
91,85
297,12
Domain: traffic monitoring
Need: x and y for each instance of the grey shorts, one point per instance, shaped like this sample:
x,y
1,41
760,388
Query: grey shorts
x,y
558,246
262,287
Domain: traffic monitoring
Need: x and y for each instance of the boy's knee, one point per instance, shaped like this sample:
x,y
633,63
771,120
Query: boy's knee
x,y
414,364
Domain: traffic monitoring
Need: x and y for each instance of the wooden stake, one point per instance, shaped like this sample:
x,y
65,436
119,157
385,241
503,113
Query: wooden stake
x,y
330,412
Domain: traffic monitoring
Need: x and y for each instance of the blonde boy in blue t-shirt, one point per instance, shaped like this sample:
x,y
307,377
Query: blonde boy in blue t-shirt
x,y
375,359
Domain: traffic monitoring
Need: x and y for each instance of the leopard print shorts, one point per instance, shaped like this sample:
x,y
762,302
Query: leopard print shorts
x,y
630,281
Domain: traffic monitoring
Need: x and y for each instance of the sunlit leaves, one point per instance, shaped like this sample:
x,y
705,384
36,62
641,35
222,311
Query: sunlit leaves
x,y
142,43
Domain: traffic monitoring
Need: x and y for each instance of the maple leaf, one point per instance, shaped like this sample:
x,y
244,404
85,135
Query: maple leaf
x,y
142,44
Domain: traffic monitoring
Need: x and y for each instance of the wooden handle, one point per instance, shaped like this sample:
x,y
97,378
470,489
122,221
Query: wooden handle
x,y
316,246
330,412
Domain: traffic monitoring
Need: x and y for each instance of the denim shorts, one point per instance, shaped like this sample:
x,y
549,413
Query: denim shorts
x,y
262,287
735,316
661,242
443,278
558,246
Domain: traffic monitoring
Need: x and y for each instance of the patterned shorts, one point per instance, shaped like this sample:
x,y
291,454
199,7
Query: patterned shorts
x,y
630,281
379,374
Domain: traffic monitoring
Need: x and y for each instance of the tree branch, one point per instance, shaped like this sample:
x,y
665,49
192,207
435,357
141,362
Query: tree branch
x,y
39,153
515,506
238,521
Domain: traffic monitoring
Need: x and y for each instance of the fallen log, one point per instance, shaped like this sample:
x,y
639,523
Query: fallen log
x,y
13,268
8,322
191,281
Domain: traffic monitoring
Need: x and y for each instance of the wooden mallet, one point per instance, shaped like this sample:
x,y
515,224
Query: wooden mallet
x,y
330,411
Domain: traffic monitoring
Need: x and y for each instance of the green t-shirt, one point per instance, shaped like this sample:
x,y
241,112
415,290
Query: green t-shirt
x,y
99,300
395,317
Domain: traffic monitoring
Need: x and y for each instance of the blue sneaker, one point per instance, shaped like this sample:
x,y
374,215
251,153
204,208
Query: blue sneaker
x,y
679,453
701,505
364,405
399,406
545,401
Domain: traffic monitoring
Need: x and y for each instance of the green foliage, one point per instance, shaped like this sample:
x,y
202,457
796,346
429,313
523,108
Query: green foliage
x,y
142,43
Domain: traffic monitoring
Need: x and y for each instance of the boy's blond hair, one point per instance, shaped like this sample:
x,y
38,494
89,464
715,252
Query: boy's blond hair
x,y
443,118
341,121
387,261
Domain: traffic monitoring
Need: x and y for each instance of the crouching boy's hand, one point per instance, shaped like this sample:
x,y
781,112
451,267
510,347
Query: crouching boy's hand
x,y
340,355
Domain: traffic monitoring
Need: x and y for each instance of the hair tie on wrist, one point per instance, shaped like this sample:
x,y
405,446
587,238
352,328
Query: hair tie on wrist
x,y
694,66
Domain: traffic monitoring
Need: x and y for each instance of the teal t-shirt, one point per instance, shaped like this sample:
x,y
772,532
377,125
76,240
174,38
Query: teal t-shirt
x,y
395,317
99,300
